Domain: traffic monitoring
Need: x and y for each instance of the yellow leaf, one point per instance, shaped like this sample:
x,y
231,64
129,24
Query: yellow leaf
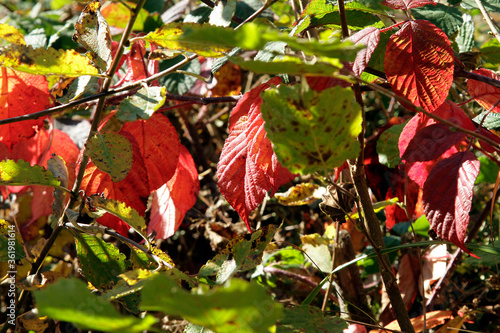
x,y
46,61
11,34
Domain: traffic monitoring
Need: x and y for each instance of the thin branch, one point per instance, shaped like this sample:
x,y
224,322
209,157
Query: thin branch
x,y
488,19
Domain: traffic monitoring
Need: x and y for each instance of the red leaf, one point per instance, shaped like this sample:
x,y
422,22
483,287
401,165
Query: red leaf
x,y
485,94
407,4
418,171
248,167
20,94
419,64
447,196
431,142
370,37
132,190
159,147
171,201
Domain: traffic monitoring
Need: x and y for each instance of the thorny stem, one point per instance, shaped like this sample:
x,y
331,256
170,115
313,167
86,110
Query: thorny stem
x,y
371,223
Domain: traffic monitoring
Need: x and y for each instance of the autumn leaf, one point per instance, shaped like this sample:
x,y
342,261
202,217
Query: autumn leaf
x,y
309,132
248,167
11,34
419,64
21,94
132,190
159,147
447,197
369,37
407,4
93,33
171,201
485,94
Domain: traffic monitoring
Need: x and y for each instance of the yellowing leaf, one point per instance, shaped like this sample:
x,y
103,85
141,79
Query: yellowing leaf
x,y
11,34
111,153
58,168
311,130
22,173
168,37
300,194
93,33
120,210
46,61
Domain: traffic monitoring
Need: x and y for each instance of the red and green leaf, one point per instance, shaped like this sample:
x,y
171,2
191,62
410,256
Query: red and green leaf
x,y
248,167
419,64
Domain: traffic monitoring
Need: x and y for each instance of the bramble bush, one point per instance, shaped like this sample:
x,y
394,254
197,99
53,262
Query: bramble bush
x,y
252,166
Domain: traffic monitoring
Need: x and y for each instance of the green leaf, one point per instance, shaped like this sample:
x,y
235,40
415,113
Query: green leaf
x,y
387,146
11,247
492,121
490,51
270,51
101,262
378,206
286,258
43,61
237,306
82,86
117,15
305,318
489,255
70,300
465,37
488,171
22,173
223,13
122,211
142,104
216,41
239,255
490,5
111,153
321,13
309,132
292,66
447,18
422,226
178,83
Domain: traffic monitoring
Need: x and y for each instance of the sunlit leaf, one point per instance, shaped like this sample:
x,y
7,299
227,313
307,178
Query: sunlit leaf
x,y
308,131
171,201
248,167
447,18
369,37
422,77
300,194
407,4
93,33
485,94
21,94
142,104
22,173
237,306
50,303
43,61
101,263
223,13
120,210
11,34
112,153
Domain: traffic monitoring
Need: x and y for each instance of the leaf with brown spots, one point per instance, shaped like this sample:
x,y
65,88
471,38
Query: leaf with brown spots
x,y
311,130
